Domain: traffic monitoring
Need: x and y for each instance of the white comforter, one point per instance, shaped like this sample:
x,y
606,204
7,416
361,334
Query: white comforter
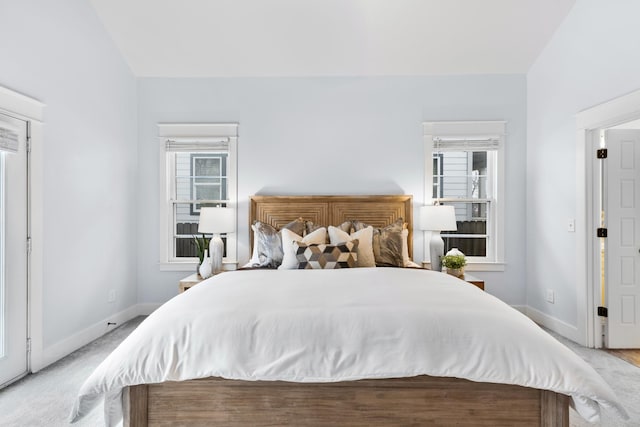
x,y
341,325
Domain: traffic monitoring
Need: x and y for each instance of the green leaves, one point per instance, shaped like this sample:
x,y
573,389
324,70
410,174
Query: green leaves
x,y
454,261
202,244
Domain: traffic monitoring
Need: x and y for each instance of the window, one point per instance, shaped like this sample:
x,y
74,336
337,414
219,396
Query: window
x,y
198,168
463,167
208,177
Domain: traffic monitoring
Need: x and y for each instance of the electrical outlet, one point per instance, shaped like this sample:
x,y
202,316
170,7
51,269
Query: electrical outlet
x,y
551,297
571,225
112,296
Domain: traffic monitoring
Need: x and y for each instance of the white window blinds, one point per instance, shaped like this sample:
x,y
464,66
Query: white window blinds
x,y
9,141
466,144
200,145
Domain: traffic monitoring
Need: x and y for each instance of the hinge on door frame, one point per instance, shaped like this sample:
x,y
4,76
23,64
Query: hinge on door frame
x,y
28,345
601,232
601,153
29,245
603,312
28,137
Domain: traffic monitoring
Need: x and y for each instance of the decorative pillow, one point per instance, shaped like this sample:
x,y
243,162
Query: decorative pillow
x,y
366,257
405,248
255,260
267,243
323,256
289,261
310,227
387,243
297,226
347,227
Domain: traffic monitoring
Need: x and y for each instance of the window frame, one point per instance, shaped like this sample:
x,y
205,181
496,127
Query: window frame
x,y
193,133
465,130
194,185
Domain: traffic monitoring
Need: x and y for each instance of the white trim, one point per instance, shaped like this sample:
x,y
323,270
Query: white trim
x,y
191,131
475,266
147,308
187,130
21,105
191,266
521,308
480,129
611,113
556,325
70,344
32,111
465,128
36,263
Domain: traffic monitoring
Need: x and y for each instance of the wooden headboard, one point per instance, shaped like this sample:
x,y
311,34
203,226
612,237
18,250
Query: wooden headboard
x,y
378,211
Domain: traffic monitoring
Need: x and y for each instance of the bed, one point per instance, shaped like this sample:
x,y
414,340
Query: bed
x,y
361,346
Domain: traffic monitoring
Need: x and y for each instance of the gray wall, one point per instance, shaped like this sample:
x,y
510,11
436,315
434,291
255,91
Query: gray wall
x,y
592,58
329,136
59,53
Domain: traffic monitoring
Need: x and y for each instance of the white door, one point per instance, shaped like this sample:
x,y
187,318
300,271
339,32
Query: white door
x,y
623,240
13,249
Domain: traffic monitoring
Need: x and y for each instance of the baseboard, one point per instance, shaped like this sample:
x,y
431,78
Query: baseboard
x,y
65,347
147,308
556,325
68,345
521,308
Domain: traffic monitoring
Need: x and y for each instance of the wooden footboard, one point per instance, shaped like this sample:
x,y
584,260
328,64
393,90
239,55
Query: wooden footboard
x,y
405,401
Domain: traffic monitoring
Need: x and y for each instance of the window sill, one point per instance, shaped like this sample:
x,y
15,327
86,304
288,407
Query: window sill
x,y
476,266
191,266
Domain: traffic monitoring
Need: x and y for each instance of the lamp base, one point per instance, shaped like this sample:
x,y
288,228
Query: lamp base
x,y
216,250
436,250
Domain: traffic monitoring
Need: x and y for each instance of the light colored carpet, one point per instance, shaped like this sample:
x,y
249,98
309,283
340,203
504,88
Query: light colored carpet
x,y
46,398
630,355
622,376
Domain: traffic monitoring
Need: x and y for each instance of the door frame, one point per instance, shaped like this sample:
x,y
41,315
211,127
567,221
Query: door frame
x,y
32,111
588,122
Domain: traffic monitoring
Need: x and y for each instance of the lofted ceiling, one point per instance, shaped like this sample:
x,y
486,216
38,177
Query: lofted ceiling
x,y
240,38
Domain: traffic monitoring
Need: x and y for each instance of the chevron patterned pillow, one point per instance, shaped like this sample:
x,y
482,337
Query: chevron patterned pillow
x,y
323,256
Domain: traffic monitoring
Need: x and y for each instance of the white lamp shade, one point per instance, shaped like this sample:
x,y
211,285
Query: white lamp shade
x,y
217,220
438,218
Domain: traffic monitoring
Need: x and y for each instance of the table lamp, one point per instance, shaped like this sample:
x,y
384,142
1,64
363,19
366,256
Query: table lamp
x,y
437,218
216,221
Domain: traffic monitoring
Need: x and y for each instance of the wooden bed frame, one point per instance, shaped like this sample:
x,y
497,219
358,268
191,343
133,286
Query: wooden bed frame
x,y
421,400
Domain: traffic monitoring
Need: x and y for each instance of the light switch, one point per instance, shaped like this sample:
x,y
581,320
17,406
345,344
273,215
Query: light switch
x,y
571,225
551,297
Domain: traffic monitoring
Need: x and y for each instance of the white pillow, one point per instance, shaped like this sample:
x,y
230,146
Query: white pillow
x,y
405,248
255,259
289,260
366,257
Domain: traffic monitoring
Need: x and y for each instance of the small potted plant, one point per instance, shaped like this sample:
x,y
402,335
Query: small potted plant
x,y
455,264
202,246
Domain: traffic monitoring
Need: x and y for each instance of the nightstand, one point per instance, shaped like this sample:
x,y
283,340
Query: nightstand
x,y
189,281
467,277
473,280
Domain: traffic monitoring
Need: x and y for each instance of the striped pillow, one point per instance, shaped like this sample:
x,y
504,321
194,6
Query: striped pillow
x,y
323,256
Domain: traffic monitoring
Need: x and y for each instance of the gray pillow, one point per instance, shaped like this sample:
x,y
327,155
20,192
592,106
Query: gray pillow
x,y
268,242
387,243
310,227
346,226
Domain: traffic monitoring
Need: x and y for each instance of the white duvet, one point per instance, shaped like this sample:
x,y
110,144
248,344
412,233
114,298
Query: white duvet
x,y
341,325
